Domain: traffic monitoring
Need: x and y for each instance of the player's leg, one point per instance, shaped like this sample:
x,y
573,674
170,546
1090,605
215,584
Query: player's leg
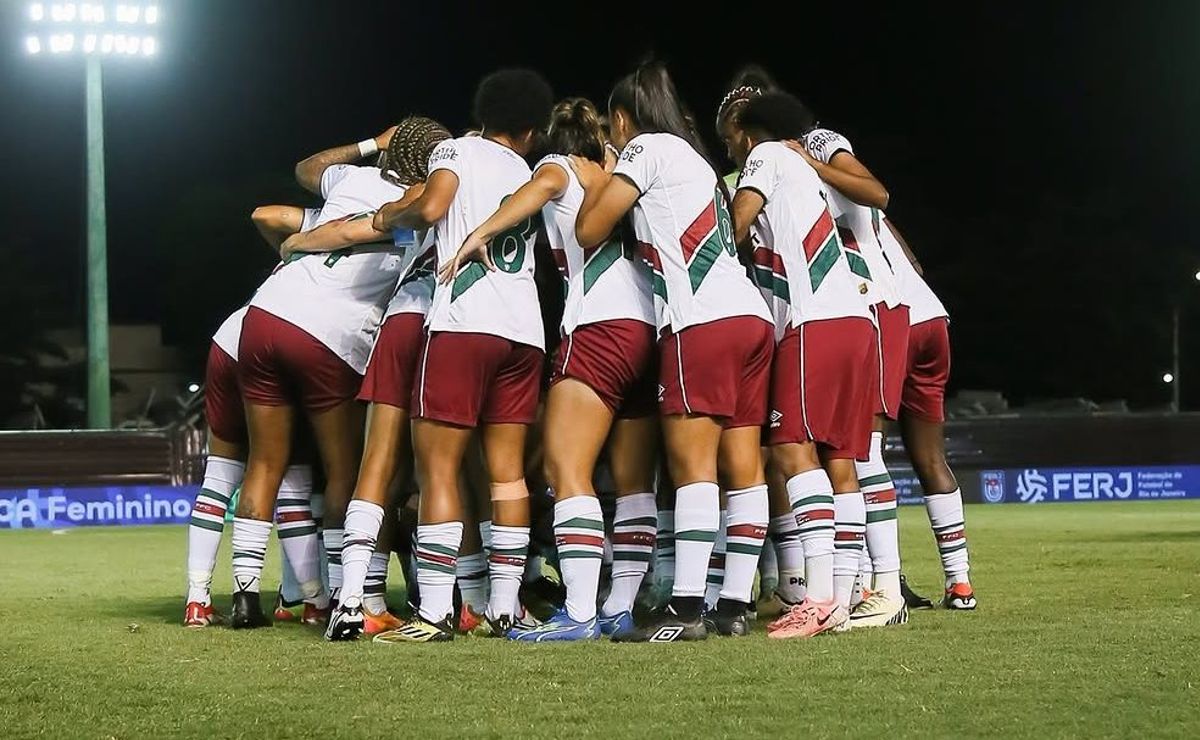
x,y
338,432
783,535
747,516
472,568
633,460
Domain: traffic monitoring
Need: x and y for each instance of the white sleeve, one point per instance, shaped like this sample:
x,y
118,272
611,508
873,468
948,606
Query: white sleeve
x,y
447,156
823,144
310,218
639,163
332,175
761,172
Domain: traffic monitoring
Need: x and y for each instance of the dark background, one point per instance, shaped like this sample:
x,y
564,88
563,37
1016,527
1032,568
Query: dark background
x,y
1039,157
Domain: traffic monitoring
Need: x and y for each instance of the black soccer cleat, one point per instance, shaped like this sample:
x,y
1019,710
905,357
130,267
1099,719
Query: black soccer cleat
x,y
345,624
247,611
912,598
667,626
728,619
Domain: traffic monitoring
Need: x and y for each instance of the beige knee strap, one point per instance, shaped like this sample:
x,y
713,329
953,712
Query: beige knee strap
x,y
514,491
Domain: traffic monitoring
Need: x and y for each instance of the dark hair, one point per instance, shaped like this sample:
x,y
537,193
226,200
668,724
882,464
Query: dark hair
x,y
749,82
777,116
576,128
406,160
513,101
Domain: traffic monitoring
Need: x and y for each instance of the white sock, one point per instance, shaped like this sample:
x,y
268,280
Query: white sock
x,y
333,555
950,530
811,495
790,551
768,565
222,476
249,552
746,528
506,567
579,533
472,575
850,514
633,545
716,565
883,537
437,556
363,520
297,530
375,585
697,518
485,536
664,549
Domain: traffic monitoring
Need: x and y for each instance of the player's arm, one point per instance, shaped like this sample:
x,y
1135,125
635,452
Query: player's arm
x,y
548,183
429,206
848,176
607,198
276,223
309,171
334,235
747,204
912,258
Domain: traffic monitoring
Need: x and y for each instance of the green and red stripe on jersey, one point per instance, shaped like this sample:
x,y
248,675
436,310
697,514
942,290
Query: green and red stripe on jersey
x,y
703,241
770,273
821,249
654,262
854,257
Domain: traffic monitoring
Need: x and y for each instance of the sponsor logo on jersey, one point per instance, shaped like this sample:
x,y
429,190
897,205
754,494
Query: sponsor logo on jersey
x,y
631,152
752,166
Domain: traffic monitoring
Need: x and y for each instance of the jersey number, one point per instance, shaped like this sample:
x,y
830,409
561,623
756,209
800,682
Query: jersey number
x,y
507,250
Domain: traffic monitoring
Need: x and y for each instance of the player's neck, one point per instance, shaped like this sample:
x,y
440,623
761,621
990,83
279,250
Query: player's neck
x,y
504,140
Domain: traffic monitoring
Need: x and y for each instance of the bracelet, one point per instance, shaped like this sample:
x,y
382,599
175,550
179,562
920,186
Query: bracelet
x,y
367,147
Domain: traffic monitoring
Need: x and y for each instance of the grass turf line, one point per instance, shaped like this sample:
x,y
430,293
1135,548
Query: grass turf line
x,y
1088,626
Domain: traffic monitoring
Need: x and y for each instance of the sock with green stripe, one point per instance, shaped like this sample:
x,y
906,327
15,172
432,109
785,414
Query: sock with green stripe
x,y
332,540
579,534
745,531
883,538
297,530
363,520
506,567
633,545
790,551
437,558
850,525
472,576
664,551
375,586
222,476
697,518
950,530
716,566
249,552
811,496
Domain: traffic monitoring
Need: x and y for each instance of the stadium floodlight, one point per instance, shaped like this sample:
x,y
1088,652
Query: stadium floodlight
x,y
1168,378
1197,275
95,30
193,387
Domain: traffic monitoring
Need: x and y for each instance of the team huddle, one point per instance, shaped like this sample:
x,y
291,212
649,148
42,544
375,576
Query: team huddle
x,y
686,421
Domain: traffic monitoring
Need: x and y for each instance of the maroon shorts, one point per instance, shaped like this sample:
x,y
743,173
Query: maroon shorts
x,y
223,398
928,370
891,344
469,379
720,369
824,387
393,363
280,364
617,359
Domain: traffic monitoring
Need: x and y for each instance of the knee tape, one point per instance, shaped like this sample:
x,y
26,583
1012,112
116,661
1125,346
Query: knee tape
x,y
514,491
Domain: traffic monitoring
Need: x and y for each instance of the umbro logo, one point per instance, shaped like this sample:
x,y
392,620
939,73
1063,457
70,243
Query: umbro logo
x,y
666,634
662,391
776,418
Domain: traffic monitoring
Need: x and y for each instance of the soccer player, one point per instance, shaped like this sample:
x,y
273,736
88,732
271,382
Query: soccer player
x,y
387,386
715,342
923,416
482,359
602,388
304,345
824,371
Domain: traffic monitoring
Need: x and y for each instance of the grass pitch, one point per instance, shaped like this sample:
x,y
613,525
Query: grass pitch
x,y
1088,626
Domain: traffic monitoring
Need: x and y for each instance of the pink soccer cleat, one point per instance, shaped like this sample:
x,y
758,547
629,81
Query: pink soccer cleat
x,y
808,618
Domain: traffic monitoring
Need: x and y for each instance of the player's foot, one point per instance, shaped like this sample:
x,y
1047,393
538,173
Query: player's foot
x,y
283,608
773,606
667,626
959,597
808,619
374,623
543,597
912,598
196,614
498,627
617,624
418,630
728,619
559,628
316,616
345,624
468,620
880,609
247,611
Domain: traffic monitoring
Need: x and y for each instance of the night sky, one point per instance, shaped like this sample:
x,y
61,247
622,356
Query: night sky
x,y
1039,159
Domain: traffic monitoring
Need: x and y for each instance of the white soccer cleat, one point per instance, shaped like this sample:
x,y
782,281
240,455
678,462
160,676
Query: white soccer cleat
x,y
880,609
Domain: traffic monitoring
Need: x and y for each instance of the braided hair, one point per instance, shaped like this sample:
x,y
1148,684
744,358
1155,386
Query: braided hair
x,y
406,161
750,82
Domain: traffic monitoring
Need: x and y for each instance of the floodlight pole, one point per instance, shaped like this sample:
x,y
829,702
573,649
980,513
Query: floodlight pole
x,y
99,388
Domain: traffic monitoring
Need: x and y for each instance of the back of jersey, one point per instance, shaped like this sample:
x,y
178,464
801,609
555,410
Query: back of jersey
x,y
502,303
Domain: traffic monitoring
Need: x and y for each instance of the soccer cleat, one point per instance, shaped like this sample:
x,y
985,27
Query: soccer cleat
x,y
381,622
808,619
247,611
880,609
728,619
618,624
418,630
283,608
773,606
498,627
912,598
345,624
667,626
196,614
543,597
315,616
959,597
559,628
468,620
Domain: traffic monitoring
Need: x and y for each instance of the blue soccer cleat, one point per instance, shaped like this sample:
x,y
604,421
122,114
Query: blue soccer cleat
x,y
617,624
559,628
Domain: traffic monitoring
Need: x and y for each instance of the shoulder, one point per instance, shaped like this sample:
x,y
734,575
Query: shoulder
x,y
824,143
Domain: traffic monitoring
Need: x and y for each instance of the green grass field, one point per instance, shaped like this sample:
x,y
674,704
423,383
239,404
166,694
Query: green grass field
x,y
1088,626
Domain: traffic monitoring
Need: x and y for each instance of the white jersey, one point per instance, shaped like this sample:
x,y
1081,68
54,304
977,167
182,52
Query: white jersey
x,y
229,334
682,222
855,225
339,297
603,283
798,257
922,302
503,303
414,291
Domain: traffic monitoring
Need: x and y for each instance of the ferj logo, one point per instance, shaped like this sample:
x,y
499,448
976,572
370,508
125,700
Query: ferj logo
x,y
1031,486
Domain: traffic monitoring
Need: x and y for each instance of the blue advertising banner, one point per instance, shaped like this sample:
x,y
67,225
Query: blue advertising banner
x,y
1046,485
57,508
